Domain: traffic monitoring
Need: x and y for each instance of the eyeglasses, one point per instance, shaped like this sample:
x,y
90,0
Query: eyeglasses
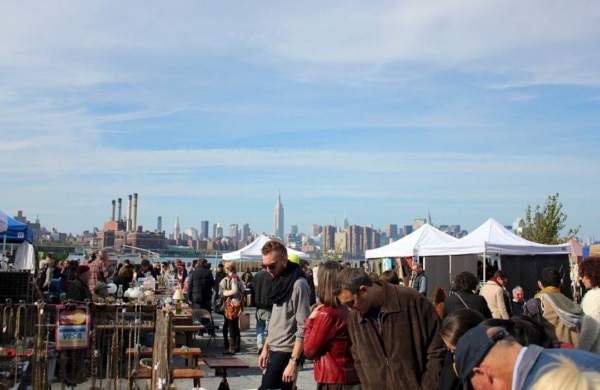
x,y
269,266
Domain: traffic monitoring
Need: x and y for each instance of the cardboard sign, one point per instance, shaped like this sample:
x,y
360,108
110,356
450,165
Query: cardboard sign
x,y
72,327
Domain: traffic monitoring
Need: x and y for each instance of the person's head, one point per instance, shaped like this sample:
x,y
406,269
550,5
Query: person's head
x,y
518,294
202,262
501,277
220,267
101,289
229,267
390,276
465,281
126,271
550,277
274,257
353,289
326,287
49,256
373,276
458,323
83,273
417,268
247,271
524,329
145,264
485,357
564,374
104,256
589,271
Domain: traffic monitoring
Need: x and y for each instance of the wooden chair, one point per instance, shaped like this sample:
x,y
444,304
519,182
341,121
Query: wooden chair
x,y
205,318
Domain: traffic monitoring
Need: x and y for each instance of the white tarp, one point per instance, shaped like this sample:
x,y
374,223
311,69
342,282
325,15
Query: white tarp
x,y
253,252
409,245
24,256
492,237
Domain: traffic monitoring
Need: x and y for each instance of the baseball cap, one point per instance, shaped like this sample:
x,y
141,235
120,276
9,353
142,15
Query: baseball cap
x,y
472,348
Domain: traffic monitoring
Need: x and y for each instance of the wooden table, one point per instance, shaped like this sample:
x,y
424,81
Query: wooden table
x,y
221,364
189,331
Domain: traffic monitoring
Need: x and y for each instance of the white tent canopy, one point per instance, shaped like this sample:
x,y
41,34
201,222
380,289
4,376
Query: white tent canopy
x,y
491,237
409,245
252,251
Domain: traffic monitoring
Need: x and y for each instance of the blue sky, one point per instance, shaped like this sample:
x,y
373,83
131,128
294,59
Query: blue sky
x,y
380,112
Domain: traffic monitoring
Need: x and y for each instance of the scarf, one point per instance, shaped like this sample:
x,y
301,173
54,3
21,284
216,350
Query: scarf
x,y
281,288
549,289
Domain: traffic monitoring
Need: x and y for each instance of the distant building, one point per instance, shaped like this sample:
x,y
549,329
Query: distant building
x,y
315,230
204,229
245,232
517,226
391,231
278,220
159,224
328,242
177,229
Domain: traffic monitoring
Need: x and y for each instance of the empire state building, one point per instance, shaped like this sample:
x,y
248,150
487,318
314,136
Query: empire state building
x,y
278,219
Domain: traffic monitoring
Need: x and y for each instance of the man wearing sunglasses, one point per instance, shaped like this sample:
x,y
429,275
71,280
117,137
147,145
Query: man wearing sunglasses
x,y
489,358
289,293
395,333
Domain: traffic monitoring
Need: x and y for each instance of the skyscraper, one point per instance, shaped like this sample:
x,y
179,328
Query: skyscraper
x,y
204,229
278,219
177,232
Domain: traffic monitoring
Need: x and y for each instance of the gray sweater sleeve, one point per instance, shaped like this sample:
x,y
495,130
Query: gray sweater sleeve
x,y
287,320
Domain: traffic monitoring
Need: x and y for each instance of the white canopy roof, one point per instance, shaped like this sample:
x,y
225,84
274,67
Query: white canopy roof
x,y
409,245
252,251
492,237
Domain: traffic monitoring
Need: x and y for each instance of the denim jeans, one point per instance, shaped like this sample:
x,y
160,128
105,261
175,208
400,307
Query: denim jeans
x,y
272,377
262,321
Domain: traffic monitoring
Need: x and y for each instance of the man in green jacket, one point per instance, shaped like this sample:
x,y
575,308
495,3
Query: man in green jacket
x,y
394,331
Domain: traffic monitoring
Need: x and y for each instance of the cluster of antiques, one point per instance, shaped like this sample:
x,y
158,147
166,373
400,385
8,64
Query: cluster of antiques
x,y
110,344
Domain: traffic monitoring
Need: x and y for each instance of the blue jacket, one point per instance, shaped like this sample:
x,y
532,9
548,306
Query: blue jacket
x,y
536,359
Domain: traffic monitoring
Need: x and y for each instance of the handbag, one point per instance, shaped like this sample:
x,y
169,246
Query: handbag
x,y
219,305
233,308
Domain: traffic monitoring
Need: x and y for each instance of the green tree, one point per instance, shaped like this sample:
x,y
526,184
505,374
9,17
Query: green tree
x,y
544,225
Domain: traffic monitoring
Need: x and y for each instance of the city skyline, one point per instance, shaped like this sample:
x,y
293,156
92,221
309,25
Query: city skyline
x,y
469,110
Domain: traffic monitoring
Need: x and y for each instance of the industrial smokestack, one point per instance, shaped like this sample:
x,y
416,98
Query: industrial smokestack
x,y
135,199
128,228
112,218
120,206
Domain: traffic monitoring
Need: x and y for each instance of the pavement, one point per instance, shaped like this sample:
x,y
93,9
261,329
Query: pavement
x,y
238,379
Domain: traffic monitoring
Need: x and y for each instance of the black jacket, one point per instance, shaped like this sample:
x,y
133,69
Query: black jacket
x,y
79,291
473,301
262,284
201,285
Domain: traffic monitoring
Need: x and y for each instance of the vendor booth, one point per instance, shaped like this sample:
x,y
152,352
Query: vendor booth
x,y
408,247
492,246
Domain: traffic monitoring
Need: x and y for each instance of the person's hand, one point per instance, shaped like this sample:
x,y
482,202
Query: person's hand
x,y
315,310
290,372
263,359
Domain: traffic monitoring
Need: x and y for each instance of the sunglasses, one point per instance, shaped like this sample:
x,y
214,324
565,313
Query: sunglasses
x,y
269,266
349,304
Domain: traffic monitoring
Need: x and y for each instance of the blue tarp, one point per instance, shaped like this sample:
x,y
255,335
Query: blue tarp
x,y
17,232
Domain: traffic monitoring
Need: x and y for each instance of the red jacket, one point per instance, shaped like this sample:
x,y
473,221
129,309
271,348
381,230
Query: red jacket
x,y
327,342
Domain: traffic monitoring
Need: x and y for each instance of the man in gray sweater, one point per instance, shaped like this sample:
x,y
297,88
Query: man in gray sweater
x,y
290,296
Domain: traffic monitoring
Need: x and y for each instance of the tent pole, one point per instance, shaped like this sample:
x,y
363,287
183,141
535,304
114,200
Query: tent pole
x,y
484,267
450,271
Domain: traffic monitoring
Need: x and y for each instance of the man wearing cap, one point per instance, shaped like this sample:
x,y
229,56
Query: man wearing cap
x,y
100,292
489,358
78,289
395,333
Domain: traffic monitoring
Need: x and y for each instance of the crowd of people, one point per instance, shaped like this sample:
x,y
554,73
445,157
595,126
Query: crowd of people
x,y
369,331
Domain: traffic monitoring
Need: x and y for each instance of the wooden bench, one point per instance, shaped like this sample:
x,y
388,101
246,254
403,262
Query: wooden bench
x,y
190,372
222,364
191,355
195,374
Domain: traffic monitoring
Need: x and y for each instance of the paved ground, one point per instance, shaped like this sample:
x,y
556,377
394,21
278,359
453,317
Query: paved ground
x,y
239,379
